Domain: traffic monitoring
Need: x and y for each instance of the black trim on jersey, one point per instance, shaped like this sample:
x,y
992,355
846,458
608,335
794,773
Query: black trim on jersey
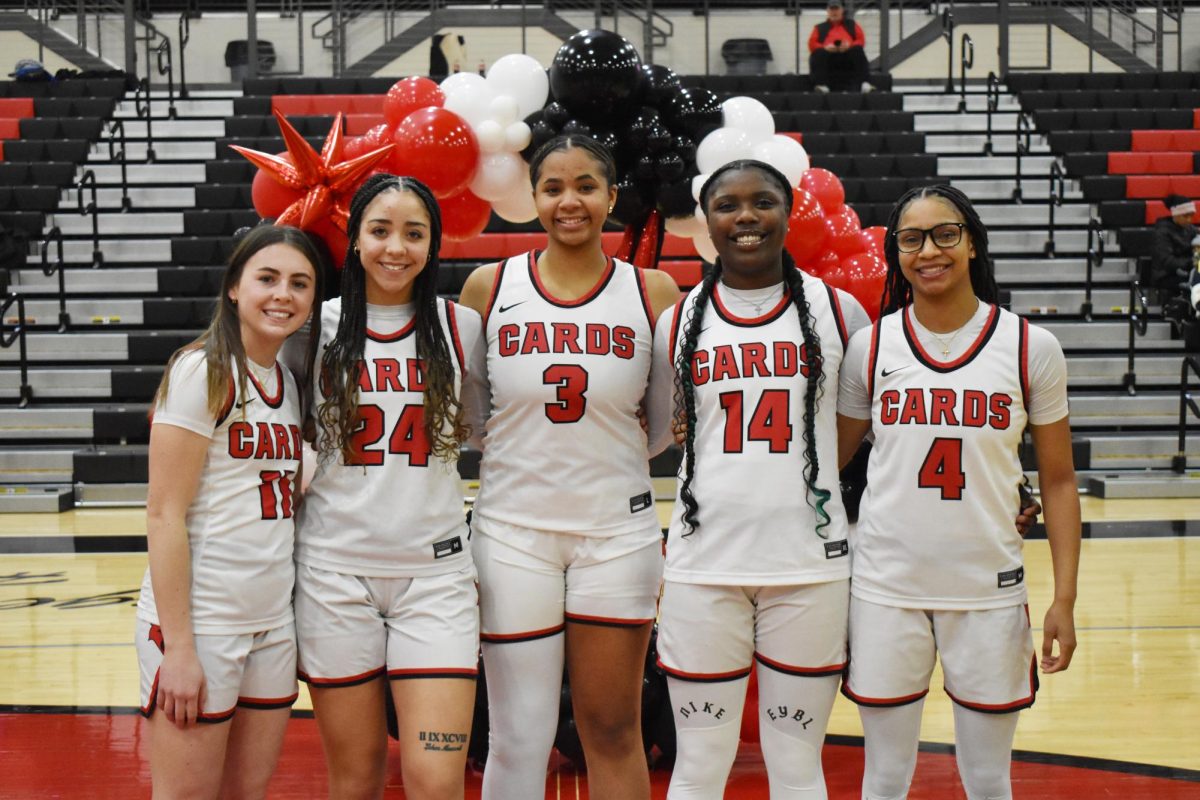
x,y
754,322
267,705
487,311
676,319
975,349
873,358
699,677
394,336
513,638
838,319
275,402
799,672
610,269
606,623
1023,361
336,683
900,701
452,324
404,675
639,275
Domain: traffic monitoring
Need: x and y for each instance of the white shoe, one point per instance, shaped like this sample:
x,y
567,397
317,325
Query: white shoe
x,y
867,87
822,88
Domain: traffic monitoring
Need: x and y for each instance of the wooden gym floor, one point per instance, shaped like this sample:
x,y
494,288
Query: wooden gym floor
x,y
1123,721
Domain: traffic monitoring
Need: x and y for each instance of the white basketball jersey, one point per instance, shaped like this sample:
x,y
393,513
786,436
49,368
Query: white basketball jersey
x,y
757,524
398,510
563,448
239,525
937,527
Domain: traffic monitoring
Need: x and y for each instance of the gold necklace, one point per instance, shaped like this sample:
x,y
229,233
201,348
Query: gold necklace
x,y
944,343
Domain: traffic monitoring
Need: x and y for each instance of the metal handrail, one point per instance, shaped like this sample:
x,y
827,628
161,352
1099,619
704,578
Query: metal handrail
x,y
1139,321
1024,139
1186,401
1058,187
141,106
88,181
48,269
948,35
993,103
1095,258
163,54
17,333
117,127
185,36
966,61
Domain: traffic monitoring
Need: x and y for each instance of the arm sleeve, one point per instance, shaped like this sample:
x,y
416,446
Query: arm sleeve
x,y
476,390
853,400
186,403
660,393
1047,378
814,40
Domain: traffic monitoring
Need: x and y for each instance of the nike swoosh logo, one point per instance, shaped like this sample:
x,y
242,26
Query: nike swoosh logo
x,y
244,403
887,372
502,309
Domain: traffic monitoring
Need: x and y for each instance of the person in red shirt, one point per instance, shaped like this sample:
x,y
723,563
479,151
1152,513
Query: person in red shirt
x,y
836,56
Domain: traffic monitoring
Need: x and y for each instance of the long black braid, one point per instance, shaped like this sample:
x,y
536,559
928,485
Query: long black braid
x,y
685,394
341,362
897,291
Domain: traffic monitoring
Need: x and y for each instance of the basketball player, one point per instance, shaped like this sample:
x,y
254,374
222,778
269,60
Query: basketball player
x,y
567,540
948,382
215,637
757,565
385,586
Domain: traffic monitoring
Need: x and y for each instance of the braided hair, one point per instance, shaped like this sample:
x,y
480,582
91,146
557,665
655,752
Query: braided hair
x,y
897,291
341,362
685,391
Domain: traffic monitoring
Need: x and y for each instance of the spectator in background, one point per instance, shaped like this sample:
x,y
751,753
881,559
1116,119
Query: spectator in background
x,y
837,59
1172,254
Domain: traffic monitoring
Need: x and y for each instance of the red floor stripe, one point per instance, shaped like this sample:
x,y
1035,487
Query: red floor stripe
x,y
103,758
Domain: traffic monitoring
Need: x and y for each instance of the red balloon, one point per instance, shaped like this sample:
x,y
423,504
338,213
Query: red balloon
x,y
377,137
806,232
270,197
835,276
821,265
353,147
876,233
464,216
407,95
437,147
843,234
866,274
335,239
826,187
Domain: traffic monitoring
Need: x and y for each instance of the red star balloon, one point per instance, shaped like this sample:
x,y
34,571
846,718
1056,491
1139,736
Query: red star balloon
x,y
327,181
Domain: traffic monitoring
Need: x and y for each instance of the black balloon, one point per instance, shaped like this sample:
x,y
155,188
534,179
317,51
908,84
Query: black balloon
x,y
556,114
669,167
643,170
658,139
638,130
597,75
659,82
608,138
633,205
693,111
675,198
540,132
686,149
575,127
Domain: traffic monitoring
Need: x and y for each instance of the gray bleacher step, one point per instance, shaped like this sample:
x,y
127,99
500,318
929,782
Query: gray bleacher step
x,y
1034,241
1102,335
40,464
163,151
84,313
1034,302
1059,271
118,251
141,174
21,499
169,223
36,422
1139,451
90,346
964,123
109,495
108,280
1119,409
1153,484
163,128
1002,143
1011,214
220,106
1032,188
948,103
156,197
1032,167
1151,370
57,383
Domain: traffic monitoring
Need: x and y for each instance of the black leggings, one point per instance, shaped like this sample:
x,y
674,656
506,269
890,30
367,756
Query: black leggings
x,y
841,71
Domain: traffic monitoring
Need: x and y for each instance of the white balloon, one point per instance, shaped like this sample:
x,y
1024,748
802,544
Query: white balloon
x,y
498,175
719,147
697,184
700,217
705,247
523,78
517,137
685,227
459,81
518,206
784,154
472,102
490,135
749,115
504,109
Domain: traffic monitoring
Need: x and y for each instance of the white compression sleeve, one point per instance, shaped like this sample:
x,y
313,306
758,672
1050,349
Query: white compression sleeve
x,y
983,744
708,724
891,738
793,715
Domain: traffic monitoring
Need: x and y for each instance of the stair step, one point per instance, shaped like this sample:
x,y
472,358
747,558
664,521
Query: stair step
x,y
964,123
115,251
1154,485
1151,370
191,108
1060,271
36,499
36,464
997,217
1003,143
139,152
117,224
156,197
976,103
1032,302
110,174
1031,166
36,422
1111,335
164,128
1139,451
1123,410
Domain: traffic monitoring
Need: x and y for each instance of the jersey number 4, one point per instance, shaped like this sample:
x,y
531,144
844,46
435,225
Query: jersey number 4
x,y
942,468
275,492
407,436
770,422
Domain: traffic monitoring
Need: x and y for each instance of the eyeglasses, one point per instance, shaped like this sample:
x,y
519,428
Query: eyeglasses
x,y
911,240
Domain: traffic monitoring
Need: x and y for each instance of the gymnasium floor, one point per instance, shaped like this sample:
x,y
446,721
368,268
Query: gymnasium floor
x,y
1124,721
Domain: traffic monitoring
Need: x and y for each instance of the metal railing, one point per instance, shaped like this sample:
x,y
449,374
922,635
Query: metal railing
x,y
1186,401
1095,259
948,35
54,235
143,110
116,133
185,36
993,105
966,61
1058,188
16,333
1024,143
1139,321
88,181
